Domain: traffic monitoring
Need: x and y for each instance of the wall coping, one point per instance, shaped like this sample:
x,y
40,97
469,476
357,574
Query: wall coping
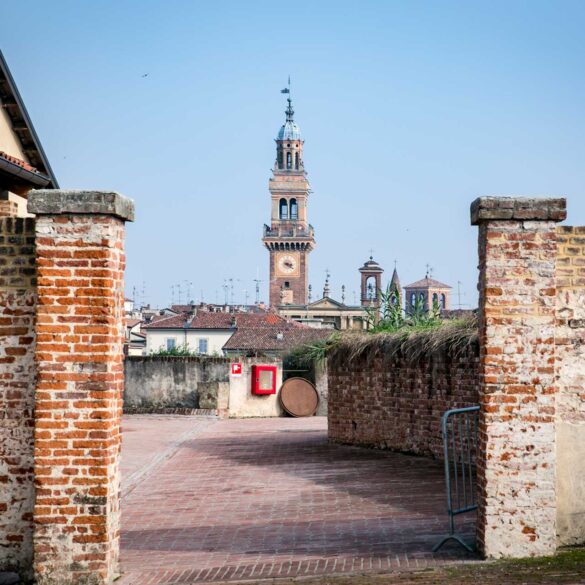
x,y
58,201
518,209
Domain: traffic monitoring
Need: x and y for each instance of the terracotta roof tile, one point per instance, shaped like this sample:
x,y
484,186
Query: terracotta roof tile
x,y
19,162
427,283
267,338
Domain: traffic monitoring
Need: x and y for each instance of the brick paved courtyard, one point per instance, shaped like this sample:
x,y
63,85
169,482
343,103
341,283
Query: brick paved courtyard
x,y
208,500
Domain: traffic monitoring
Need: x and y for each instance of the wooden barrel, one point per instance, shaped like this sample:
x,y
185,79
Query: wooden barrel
x,y
299,397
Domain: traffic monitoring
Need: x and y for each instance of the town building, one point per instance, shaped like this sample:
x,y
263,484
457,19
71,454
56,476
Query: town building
x,y
23,163
218,333
427,293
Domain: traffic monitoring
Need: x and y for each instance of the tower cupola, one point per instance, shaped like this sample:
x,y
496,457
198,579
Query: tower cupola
x,y
289,143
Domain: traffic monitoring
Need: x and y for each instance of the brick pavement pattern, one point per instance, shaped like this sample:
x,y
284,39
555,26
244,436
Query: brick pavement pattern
x,y
264,498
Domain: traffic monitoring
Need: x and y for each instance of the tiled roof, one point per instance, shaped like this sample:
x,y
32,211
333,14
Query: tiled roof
x,y
267,338
23,128
427,283
19,162
132,322
181,308
207,320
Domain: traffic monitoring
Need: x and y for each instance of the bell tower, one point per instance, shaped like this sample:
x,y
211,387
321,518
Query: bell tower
x,y
289,238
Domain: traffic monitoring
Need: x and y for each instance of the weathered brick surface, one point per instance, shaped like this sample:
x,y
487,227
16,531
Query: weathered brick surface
x,y
516,471
570,402
392,403
17,378
78,401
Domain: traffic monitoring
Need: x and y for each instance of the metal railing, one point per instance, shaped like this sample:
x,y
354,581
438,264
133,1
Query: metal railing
x,y
460,433
289,230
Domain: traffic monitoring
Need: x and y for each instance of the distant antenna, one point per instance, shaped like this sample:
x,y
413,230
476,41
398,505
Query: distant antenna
x,y
258,282
188,286
226,290
246,295
459,293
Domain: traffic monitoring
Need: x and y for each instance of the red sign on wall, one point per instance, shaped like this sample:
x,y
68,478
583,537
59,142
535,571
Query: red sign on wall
x,y
236,370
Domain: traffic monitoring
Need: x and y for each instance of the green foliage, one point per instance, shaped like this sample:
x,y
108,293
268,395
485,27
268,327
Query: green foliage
x,y
177,351
391,318
312,353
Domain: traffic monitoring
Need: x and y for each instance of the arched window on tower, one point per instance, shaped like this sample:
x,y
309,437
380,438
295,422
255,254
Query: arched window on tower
x,y
443,301
294,209
435,300
371,289
280,158
288,160
412,299
297,160
283,209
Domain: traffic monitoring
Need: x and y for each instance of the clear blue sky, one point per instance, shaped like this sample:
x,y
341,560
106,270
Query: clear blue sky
x,y
409,111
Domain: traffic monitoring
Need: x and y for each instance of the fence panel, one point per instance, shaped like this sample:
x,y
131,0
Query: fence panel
x,y
460,433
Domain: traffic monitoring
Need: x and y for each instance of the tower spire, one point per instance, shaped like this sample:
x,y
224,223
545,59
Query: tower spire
x,y
289,110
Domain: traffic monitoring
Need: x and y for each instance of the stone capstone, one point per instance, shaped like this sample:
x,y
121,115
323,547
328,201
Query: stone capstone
x,y
518,208
55,201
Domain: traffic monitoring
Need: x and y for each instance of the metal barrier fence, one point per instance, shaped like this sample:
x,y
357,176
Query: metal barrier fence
x,y
460,432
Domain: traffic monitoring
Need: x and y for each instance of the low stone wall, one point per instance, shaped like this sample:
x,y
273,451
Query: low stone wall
x,y
390,402
156,383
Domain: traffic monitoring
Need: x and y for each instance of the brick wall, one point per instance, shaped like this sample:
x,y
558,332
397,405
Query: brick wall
x,y
390,402
570,402
78,405
80,262
517,309
17,379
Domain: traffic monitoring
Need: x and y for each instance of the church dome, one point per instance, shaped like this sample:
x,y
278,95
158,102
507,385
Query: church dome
x,y
289,131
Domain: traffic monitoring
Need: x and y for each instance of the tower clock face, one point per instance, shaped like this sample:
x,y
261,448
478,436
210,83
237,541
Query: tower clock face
x,y
288,264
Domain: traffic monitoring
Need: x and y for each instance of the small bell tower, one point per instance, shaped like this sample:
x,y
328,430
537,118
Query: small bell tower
x,y
371,283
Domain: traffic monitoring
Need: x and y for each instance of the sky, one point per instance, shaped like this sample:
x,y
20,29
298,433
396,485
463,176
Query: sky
x,y
409,111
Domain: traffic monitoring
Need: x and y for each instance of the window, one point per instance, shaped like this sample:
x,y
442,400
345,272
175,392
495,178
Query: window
x,y
288,160
280,159
443,301
294,209
413,299
435,300
297,160
287,284
203,345
283,209
171,343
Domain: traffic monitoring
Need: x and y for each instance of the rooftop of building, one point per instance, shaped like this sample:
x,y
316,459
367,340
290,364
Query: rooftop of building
x,y
428,282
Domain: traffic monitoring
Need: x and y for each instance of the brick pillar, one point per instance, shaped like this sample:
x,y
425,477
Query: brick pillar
x,y
17,389
517,289
80,263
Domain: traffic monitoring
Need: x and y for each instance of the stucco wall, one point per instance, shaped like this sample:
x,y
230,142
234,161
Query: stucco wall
x,y
243,403
154,383
570,402
169,382
156,339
